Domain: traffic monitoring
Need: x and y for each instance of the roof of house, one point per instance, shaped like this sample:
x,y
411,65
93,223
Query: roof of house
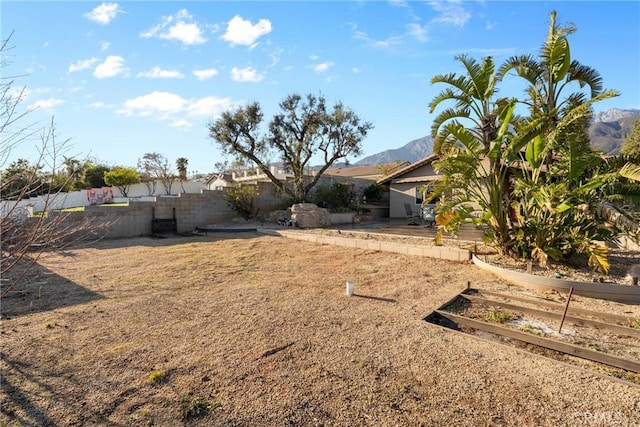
x,y
407,169
357,171
215,176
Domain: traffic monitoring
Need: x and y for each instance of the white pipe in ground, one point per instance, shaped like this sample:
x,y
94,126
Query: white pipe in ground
x,y
349,289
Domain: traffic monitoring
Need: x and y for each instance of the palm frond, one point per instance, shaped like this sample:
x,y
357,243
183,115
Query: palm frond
x,y
445,116
586,76
525,66
631,171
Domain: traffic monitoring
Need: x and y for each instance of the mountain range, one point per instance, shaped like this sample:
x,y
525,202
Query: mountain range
x,y
608,132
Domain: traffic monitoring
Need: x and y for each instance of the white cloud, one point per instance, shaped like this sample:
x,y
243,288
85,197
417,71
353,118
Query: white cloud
x,y
450,13
242,32
418,32
356,70
104,45
104,13
399,3
158,73
27,92
180,27
275,56
162,103
181,123
207,106
205,74
82,64
246,74
97,104
111,67
186,33
167,106
323,66
46,104
380,44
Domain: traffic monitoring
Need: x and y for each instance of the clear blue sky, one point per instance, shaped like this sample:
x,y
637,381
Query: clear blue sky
x,y
125,78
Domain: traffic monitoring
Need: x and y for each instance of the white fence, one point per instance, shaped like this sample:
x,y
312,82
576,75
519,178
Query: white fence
x,y
139,192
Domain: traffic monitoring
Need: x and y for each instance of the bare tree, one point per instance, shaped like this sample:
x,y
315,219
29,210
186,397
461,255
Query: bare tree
x,y
156,167
25,235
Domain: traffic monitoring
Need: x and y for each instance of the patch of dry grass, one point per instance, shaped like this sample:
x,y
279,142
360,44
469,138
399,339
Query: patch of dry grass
x,y
257,330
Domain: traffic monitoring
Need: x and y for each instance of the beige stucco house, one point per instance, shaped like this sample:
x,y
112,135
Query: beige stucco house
x,y
407,185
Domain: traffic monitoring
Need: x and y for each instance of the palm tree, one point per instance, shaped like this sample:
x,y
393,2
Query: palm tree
x,y
474,100
181,165
469,139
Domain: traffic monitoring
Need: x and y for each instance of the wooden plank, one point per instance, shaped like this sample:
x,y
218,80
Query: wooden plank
x,y
608,317
623,330
607,291
596,356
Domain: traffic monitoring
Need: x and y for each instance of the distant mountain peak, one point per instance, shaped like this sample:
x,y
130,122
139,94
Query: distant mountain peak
x,y
410,152
613,115
608,132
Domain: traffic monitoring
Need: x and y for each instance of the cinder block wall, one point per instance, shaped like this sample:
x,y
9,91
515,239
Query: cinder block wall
x,y
192,210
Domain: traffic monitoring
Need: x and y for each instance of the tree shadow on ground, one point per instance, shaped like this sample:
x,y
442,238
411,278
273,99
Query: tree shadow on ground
x,y
168,239
39,289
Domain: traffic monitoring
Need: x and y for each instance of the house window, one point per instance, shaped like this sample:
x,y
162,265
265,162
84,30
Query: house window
x,y
419,195
423,190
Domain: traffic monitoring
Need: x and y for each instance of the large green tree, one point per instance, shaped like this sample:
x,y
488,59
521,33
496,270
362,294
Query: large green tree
x,y
122,178
304,129
20,179
94,174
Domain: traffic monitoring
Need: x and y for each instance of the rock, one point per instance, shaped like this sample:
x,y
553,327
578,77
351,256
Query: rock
x,y
308,215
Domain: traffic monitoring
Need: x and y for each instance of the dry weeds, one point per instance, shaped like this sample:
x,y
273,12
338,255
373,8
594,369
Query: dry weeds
x,y
257,330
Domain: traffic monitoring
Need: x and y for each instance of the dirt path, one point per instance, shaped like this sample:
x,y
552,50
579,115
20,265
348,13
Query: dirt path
x,y
256,330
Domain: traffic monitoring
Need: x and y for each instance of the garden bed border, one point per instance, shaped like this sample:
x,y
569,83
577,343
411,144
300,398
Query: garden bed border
x,y
439,252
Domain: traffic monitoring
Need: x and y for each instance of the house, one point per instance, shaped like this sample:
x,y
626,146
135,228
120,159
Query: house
x,y
218,181
408,185
361,176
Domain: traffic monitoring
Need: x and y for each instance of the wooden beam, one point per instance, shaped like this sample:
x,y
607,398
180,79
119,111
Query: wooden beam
x,y
619,329
573,350
609,317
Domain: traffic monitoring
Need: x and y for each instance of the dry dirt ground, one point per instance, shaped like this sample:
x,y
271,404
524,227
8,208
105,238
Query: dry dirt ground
x,y
251,330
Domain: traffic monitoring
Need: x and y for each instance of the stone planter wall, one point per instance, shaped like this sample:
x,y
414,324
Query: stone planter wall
x,y
439,252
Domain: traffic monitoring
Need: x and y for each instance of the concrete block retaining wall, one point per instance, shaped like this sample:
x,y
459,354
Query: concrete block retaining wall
x,y
440,252
192,210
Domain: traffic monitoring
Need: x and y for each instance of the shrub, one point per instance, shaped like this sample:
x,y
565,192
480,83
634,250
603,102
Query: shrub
x,y
156,377
338,197
195,408
242,199
374,193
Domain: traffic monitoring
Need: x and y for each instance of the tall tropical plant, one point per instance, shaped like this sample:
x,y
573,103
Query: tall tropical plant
x,y
556,194
532,183
549,76
469,139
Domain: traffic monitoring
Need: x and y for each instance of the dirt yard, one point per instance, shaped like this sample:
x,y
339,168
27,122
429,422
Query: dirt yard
x,y
252,330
